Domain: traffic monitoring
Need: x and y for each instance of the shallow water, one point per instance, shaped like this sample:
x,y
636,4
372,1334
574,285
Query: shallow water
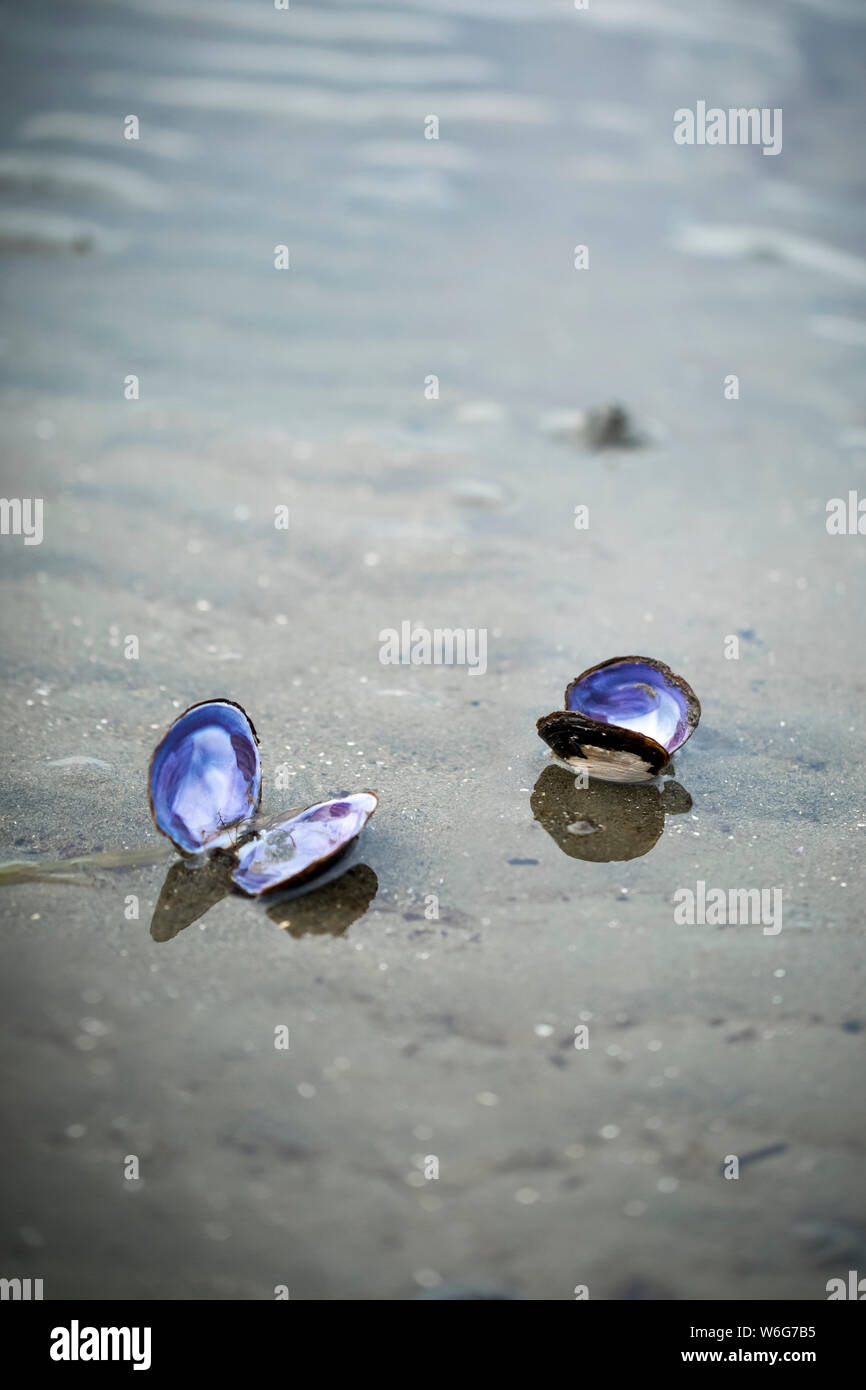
x,y
413,1036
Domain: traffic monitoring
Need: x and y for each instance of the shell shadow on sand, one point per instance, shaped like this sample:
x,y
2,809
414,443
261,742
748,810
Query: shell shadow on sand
x,y
331,909
605,821
326,906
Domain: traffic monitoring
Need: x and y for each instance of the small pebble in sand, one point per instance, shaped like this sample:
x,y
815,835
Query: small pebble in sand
x,y
526,1196
607,426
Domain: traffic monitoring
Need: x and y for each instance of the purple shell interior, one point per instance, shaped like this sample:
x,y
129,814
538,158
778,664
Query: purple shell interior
x,y
292,847
633,695
206,776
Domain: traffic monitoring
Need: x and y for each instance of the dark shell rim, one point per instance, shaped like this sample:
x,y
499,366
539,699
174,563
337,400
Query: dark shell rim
x,y
606,736
318,864
693,704
217,700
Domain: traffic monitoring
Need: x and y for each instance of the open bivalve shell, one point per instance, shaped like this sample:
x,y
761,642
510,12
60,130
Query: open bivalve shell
x,y
205,790
622,721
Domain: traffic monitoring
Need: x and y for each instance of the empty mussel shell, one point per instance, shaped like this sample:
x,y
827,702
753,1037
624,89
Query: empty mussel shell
x,y
206,777
289,847
205,790
622,720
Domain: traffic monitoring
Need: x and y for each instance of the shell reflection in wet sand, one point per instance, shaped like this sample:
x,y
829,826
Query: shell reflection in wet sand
x,y
604,821
190,890
329,905
329,910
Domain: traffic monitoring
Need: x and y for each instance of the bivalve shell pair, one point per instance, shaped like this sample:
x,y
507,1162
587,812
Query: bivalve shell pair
x,y
622,721
205,792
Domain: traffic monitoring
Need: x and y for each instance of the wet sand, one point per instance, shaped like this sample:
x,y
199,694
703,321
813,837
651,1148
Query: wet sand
x,y
414,1037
